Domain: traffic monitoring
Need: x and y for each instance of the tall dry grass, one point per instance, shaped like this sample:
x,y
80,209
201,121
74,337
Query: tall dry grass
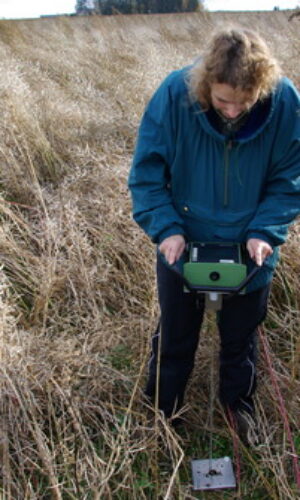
x,y
77,294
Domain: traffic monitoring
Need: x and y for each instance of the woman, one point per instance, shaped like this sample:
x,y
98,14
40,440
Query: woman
x,y
217,160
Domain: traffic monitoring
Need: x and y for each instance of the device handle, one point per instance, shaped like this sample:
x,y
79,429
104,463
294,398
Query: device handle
x,y
248,278
177,268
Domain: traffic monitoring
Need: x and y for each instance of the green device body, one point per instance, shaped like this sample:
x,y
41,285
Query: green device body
x,y
215,266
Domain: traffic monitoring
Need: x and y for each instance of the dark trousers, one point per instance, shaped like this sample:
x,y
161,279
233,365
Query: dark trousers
x,y
177,337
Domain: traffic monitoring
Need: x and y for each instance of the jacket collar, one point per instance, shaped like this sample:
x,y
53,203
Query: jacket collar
x,y
258,119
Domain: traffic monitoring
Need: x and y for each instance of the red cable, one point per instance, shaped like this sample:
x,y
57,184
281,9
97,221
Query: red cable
x,y
15,203
282,408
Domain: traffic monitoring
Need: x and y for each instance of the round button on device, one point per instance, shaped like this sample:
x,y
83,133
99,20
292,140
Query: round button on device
x,y
215,276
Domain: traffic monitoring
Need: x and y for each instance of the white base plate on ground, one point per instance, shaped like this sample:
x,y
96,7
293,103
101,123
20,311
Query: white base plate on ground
x,y
213,474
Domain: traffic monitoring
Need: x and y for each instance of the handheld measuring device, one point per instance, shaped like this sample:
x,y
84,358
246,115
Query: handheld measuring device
x,y
215,269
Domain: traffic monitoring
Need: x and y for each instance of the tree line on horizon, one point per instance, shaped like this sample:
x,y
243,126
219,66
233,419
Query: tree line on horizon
x,y
110,7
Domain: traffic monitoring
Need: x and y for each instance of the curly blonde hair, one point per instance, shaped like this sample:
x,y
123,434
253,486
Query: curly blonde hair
x,y
238,57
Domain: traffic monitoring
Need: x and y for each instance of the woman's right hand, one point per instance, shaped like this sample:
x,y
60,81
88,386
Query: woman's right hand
x,y
172,248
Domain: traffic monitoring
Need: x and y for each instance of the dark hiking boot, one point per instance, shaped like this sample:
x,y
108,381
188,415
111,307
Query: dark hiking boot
x,y
244,424
246,428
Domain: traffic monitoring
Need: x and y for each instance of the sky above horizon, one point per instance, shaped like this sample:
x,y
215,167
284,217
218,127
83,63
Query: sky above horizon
x,y
35,8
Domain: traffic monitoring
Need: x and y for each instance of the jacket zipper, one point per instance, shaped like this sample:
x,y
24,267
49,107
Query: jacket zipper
x,y
228,147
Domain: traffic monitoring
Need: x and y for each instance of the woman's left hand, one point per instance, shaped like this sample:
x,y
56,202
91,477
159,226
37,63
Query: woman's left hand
x,y
258,250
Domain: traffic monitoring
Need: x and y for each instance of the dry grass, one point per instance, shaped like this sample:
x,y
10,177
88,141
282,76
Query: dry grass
x,y
77,296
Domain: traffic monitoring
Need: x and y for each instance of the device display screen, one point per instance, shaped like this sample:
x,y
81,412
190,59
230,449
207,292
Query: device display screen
x,y
210,252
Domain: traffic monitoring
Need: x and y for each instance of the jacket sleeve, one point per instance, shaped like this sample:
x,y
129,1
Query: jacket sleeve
x,y
149,178
280,204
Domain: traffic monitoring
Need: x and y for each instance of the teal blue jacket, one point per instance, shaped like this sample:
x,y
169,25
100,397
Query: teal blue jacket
x,y
187,178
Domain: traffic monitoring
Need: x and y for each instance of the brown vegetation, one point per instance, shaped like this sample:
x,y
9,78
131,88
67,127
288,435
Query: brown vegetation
x,y
77,293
